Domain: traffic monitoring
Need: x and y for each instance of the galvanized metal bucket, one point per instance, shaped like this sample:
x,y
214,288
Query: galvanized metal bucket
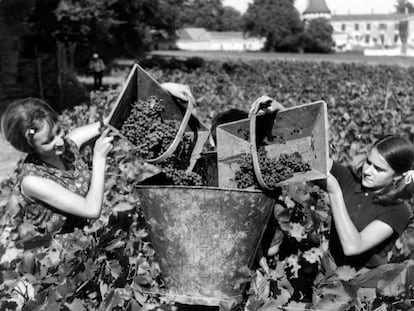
x,y
203,237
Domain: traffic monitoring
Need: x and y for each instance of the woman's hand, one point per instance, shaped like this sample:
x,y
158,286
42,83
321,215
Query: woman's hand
x,y
265,104
181,91
103,145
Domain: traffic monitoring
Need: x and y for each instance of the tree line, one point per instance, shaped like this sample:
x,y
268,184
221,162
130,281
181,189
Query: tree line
x,y
125,28
128,28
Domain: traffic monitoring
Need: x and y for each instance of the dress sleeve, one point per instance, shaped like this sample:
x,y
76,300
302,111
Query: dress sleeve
x,y
397,216
343,174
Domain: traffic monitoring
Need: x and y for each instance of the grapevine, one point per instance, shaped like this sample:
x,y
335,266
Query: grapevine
x,y
105,265
273,170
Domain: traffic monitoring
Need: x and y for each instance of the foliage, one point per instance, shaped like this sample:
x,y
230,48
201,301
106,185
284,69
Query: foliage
x,y
210,15
77,21
140,20
15,12
104,265
278,21
317,36
185,65
70,23
109,264
364,102
231,20
112,28
403,6
403,31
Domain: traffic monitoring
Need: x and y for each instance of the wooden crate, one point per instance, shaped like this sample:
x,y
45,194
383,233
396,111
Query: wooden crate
x,y
141,86
302,128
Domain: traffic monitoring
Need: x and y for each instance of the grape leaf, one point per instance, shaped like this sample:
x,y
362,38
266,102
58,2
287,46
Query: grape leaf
x,y
76,305
345,273
297,231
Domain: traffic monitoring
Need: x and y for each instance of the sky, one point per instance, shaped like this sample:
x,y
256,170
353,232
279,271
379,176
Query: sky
x,y
336,6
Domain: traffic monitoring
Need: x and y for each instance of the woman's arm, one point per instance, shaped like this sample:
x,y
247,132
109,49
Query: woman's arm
x,y
84,133
181,91
62,199
354,242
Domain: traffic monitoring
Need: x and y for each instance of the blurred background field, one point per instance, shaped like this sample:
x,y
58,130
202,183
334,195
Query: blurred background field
x,y
350,57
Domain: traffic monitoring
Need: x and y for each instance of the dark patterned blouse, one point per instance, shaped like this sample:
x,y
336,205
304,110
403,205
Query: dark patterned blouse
x,y
75,178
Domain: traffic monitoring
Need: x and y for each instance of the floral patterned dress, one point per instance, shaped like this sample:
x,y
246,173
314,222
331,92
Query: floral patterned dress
x,y
76,178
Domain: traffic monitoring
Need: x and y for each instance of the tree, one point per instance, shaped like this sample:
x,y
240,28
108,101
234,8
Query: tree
x,y
80,22
276,20
139,20
231,20
404,6
317,36
113,28
211,15
167,16
73,29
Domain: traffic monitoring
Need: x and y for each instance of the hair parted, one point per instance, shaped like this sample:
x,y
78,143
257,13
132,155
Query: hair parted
x,y
399,154
24,117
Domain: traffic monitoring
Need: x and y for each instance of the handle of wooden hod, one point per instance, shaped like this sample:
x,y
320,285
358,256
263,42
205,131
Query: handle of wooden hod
x,y
179,135
253,150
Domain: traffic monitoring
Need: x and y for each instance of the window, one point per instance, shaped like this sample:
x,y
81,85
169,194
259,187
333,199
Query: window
x,y
368,26
396,38
356,27
343,27
367,38
382,26
397,26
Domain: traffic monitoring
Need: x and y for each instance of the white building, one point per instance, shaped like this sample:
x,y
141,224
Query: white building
x,y
373,33
199,39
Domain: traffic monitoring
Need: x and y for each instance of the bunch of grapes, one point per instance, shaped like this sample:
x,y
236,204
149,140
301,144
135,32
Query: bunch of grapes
x,y
147,130
180,177
152,135
174,168
273,170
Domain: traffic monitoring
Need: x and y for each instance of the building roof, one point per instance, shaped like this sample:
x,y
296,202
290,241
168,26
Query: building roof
x,y
317,6
227,35
193,34
200,34
371,17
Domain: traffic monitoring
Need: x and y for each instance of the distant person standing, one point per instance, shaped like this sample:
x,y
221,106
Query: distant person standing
x,y
97,66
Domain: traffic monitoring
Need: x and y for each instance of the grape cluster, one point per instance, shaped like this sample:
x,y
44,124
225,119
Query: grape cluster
x,y
147,130
152,135
273,170
180,177
174,168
